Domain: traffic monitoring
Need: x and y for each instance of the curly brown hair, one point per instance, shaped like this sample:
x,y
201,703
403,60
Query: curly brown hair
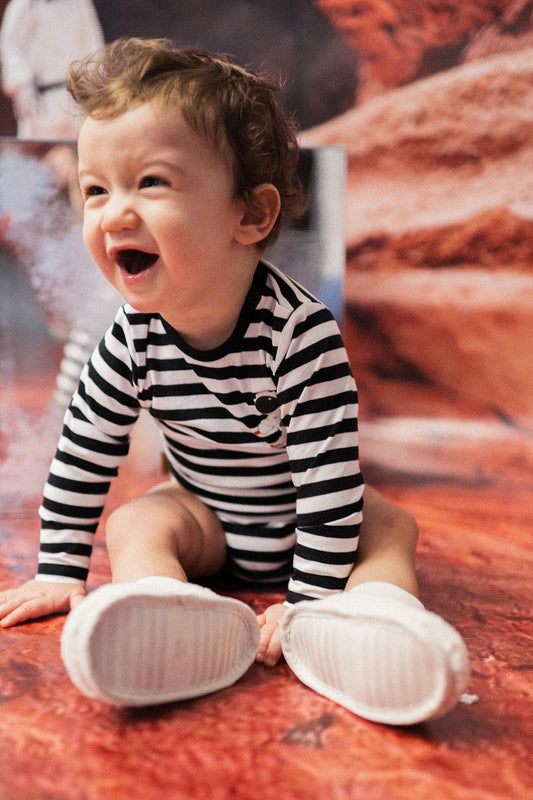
x,y
223,102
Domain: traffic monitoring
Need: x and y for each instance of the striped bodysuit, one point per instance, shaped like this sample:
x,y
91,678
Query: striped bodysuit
x,y
263,429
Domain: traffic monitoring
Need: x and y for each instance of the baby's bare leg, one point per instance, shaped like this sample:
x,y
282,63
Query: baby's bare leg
x,y
387,545
386,554
140,642
374,648
167,532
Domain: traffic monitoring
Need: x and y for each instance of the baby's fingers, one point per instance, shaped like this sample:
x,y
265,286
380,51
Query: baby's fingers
x,y
269,651
34,600
14,608
21,613
76,599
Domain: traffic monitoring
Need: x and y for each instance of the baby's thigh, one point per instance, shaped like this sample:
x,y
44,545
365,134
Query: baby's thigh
x,y
169,518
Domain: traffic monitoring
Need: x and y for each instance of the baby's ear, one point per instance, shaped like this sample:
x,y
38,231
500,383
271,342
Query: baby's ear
x,y
259,215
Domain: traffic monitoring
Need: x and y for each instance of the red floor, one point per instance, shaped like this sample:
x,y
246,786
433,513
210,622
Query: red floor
x,y
269,736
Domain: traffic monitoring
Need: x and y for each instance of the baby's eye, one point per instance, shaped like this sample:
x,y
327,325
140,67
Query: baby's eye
x,y
92,191
152,180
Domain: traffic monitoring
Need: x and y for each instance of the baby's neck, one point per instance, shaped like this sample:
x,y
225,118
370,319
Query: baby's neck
x,y
214,323
212,338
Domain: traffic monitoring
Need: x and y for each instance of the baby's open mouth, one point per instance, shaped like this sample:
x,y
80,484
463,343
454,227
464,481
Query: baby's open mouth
x,y
135,261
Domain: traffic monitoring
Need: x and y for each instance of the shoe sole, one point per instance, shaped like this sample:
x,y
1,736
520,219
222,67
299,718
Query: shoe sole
x,y
398,668
134,645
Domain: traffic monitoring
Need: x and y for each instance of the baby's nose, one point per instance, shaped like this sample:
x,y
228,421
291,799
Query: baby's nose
x,y
118,213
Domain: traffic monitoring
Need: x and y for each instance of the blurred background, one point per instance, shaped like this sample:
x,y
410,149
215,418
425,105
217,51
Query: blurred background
x,y
433,104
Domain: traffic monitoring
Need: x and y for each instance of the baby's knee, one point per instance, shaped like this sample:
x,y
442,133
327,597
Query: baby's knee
x,y
386,526
400,523
407,527
121,524
136,517
403,532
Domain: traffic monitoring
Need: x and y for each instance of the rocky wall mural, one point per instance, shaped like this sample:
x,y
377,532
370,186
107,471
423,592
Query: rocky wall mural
x,y
439,286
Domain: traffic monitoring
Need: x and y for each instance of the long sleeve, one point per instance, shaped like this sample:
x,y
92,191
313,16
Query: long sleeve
x,y
93,444
318,400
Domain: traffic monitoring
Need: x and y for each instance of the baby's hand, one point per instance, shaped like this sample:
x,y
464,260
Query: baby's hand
x,y
36,599
269,651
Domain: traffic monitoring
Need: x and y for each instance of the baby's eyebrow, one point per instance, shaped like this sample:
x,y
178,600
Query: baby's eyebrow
x,y
83,173
163,163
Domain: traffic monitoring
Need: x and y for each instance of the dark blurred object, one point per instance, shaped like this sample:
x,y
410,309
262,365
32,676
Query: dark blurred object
x,y
291,41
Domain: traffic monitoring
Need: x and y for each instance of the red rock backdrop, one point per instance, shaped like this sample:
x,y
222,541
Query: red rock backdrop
x,y
439,313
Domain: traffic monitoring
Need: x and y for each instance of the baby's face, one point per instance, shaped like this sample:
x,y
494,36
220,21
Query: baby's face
x,y
160,217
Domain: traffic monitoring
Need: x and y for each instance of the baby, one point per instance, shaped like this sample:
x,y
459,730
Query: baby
x,y
185,167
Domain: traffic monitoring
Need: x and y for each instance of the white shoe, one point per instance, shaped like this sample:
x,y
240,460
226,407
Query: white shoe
x,y
157,641
384,659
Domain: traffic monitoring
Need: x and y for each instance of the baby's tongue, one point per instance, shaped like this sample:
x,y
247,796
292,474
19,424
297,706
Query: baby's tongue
x,y
135,261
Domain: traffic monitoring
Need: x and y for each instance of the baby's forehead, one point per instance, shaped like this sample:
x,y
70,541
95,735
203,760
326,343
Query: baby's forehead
x,y
208,127
147,132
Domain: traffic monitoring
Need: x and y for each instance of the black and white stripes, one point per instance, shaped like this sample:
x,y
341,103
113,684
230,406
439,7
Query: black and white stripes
x,y
263,429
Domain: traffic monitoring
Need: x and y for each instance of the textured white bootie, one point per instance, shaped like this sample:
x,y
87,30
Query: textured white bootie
x,y
156,641
376,651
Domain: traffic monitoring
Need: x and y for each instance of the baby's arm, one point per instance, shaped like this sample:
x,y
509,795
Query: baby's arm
x,y
269,651
36,599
